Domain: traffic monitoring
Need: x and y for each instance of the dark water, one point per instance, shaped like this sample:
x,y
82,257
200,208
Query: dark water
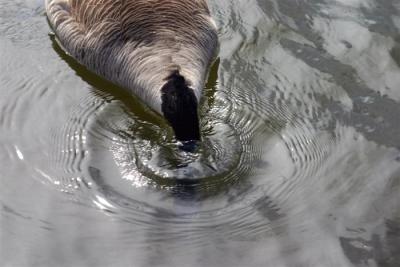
x,y
300,163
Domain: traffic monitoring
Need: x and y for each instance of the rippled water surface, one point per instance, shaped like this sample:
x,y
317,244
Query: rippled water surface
x,y
299,164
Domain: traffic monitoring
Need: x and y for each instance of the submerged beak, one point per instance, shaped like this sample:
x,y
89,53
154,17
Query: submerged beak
x,y
189,146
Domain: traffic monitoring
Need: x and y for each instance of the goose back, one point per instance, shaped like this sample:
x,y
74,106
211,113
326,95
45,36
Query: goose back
x,y
138,43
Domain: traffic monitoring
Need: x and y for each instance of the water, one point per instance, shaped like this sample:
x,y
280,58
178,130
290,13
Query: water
x,y
299,165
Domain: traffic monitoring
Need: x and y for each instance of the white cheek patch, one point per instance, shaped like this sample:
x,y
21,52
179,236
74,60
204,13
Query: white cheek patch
x,y
211,20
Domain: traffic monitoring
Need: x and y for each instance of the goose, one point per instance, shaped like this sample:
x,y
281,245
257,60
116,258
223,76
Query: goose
x,y
159,50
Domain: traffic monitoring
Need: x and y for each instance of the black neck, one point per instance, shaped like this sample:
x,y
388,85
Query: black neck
x,y
179,105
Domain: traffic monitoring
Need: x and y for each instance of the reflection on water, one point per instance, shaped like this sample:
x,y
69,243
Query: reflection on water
x,y
299,164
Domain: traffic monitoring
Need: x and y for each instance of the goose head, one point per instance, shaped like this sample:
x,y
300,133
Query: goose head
x,y
179,106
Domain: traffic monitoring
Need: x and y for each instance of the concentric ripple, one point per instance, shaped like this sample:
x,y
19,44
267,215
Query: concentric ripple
x,y
105,135
115,154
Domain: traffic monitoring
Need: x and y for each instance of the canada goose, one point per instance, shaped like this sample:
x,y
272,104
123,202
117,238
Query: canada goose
x,y
160,50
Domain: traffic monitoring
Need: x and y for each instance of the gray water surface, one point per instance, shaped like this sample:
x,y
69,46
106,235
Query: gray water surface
x,y
299,164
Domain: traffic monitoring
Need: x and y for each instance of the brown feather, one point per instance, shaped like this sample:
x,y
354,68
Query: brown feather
x,y
138,43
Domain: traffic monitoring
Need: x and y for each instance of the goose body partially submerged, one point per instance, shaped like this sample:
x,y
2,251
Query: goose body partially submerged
x,y
160,50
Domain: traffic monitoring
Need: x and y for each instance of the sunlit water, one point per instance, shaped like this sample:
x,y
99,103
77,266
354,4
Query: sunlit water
x,y
299,164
